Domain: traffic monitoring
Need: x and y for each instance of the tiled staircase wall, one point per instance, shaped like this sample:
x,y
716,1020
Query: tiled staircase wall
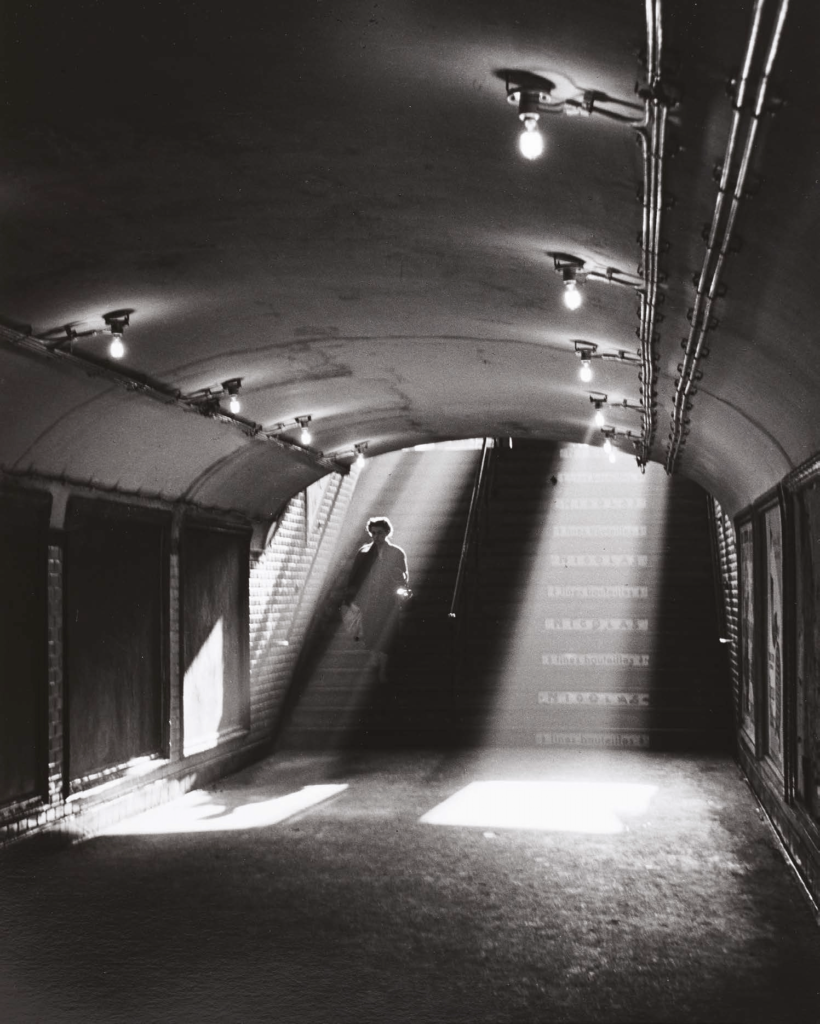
x,y
596,622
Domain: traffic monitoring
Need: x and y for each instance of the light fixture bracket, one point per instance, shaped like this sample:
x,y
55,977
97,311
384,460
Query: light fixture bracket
x,y
564,261
585,349
117,320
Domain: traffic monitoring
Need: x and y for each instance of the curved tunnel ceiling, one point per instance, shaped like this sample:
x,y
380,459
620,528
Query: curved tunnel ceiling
x,y
326,200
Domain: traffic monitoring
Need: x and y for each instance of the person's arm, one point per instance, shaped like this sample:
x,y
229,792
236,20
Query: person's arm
x,y
402,575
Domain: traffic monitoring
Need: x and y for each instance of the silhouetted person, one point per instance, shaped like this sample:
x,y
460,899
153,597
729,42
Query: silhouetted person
x,y
377,585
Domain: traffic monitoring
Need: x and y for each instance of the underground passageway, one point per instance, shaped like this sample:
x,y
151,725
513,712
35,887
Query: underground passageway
x,y
534,281
421,887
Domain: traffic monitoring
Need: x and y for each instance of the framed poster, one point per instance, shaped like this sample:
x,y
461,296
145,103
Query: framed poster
x,y
808,650
747,631
773,646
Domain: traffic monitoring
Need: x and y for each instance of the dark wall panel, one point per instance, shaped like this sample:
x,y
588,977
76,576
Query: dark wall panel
x,y
114,635
216,680
23,643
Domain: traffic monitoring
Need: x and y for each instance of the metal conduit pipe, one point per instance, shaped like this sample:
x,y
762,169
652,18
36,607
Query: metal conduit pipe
x,y
689,372
661,114
652,134
643,310
649,141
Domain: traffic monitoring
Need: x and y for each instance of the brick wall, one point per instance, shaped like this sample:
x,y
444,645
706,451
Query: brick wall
x,y
726,549
285,582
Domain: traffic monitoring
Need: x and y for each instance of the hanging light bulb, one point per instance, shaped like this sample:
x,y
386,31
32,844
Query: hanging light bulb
x,y
599,418
359,450
531,141
572,297
586,371
232,387
305,437
607,446
116,322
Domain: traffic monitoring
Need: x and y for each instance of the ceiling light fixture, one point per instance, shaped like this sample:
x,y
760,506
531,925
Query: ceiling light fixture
x,y
610,433
231,388
570,268
65,336
598,399
305,436
575,272
585,350
360,449
116,322
572,297
534,98
207,400
531,141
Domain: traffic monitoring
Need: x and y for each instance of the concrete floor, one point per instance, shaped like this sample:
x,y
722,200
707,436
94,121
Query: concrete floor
x,y
544,886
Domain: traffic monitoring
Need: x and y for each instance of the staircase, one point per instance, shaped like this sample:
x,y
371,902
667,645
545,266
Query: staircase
x,y
595,622
589,618
338,700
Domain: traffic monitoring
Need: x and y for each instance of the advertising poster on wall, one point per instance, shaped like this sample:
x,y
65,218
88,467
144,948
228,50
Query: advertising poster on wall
x,y
774,634
808,718
747,613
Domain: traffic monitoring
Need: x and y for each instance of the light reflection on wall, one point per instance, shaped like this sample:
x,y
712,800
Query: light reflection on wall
x,y
586,611
419,492
203,694
201,811
592,807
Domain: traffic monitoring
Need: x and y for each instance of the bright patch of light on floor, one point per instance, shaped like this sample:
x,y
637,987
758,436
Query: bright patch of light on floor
x,y
598,807
201,811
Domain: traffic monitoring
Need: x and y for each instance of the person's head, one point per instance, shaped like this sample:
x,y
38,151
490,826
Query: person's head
x,y
379,528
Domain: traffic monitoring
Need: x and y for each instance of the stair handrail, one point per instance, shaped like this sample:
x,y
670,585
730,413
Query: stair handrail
x,y
470,527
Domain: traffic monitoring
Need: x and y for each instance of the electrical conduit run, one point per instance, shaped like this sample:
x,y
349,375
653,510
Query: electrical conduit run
x,y
689,372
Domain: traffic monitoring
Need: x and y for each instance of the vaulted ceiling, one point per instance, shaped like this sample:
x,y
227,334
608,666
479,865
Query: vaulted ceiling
x,y
326,200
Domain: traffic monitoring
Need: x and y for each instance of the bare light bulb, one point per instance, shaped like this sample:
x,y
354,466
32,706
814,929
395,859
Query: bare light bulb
x,y
586,371
572,297
360,459
306,436
234,405
607,446
116,349
531,141
599,418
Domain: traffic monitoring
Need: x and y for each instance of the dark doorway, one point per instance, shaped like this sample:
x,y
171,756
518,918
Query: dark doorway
x,y
115,611
24,521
